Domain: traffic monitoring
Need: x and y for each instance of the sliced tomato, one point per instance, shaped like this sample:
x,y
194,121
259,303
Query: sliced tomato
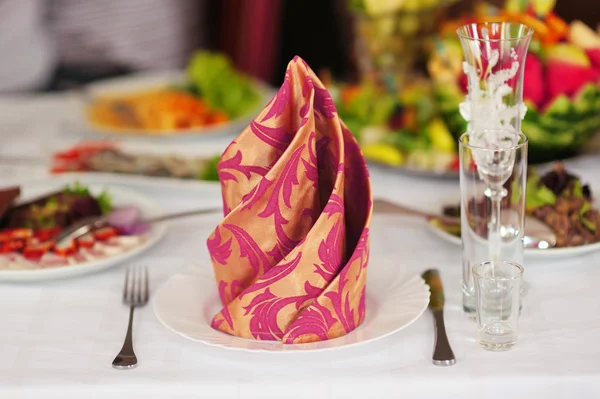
x,y
35,251
4,236
12,246
67,249
105,233
67,155
86,241
46,234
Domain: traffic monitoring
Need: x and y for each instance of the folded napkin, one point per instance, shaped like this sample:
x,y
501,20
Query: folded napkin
x,y
291,254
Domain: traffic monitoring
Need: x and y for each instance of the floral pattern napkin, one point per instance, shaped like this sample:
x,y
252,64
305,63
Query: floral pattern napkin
x,y
290,256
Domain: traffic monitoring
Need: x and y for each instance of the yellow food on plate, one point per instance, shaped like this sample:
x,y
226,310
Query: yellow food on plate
x,y
155,111
384,153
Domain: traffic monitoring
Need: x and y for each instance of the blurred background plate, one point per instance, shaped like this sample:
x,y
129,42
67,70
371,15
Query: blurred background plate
x,y
76,118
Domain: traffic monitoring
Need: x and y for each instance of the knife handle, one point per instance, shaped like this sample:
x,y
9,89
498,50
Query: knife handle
x,y
442,352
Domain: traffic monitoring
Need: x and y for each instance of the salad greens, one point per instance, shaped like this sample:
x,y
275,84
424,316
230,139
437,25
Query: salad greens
x,y
103,199
59,209
209,172
365,106
213,76
537,194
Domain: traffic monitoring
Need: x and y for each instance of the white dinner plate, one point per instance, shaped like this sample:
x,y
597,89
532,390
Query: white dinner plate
x,y
120,196
76,119
187,302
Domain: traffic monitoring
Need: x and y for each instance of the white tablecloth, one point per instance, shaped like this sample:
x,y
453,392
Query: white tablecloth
x,y
57,339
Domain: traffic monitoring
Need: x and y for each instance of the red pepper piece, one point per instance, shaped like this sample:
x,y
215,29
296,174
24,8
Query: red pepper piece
x,y
67,249
87,241
35,251
105,233
20,234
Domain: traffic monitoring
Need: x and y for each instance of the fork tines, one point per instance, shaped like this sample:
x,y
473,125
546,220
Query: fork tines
x,y
136,291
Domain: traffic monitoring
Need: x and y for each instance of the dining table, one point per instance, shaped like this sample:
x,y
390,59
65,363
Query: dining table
x,y
58,338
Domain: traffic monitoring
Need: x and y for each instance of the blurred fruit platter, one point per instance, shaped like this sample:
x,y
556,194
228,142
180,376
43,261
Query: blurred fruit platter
x,y
211,93
416,128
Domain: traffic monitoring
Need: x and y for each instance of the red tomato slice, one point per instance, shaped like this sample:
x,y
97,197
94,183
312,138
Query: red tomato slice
x,y
11,246
105,233
67,249
46,234
87,241
35,251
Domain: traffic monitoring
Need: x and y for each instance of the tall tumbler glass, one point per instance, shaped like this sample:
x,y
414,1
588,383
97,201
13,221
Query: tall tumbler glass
x,y
493,174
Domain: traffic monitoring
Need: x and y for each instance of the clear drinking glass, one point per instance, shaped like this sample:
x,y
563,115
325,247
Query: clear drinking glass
x,y
493,174
498,291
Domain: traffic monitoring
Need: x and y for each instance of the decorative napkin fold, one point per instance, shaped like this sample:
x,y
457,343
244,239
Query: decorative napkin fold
x,y
291,253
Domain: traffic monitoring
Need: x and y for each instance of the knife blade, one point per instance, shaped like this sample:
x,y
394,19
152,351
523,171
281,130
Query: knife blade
x,y
442,352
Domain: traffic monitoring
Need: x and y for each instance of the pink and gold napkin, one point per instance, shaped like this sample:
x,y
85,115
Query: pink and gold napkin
x,y
290,255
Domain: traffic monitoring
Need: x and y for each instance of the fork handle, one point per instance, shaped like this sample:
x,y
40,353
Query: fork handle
x,y
126,358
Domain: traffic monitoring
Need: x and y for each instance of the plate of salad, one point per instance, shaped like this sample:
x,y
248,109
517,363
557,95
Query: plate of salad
x,y
33,213
558,199
209,97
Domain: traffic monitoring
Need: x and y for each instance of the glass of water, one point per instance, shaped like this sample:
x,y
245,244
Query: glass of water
x,y
493,173
497,290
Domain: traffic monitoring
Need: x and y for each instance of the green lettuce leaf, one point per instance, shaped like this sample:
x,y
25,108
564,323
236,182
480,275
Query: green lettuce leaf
x,y
585,208
537,194
216,80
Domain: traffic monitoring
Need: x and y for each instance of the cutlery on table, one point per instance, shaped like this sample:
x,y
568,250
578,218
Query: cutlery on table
x,y
537,234
87,225
442,352
135,294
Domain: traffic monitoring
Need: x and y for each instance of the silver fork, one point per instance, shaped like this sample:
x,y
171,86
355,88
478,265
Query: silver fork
x,y
135,294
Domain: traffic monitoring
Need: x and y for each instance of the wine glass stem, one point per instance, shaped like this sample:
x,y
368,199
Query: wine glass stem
x,y
495,226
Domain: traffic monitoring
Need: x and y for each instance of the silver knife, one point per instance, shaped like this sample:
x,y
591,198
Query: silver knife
x,y
442,352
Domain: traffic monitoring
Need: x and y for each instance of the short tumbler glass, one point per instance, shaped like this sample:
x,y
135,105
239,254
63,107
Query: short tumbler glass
x,y
497,291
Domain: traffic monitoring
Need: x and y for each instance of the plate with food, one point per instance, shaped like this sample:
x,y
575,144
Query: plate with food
x,y
559,200
177,162
34,213
209,97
